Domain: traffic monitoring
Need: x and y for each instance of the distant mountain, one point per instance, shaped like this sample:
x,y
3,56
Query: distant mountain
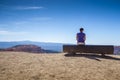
x,y
24,48
46,46
56,47
27,48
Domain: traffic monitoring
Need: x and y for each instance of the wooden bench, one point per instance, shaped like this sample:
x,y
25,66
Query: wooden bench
x,y
99,49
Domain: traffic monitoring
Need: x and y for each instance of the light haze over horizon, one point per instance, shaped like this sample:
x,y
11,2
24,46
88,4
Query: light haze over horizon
x,y
60,20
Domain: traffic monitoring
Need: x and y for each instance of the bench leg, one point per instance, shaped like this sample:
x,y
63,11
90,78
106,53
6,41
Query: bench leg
x,y
72,53
103,55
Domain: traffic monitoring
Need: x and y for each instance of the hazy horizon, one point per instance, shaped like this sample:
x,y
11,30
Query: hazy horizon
x,y
58,21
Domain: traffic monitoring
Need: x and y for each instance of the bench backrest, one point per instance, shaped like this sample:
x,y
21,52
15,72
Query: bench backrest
x,y
106,49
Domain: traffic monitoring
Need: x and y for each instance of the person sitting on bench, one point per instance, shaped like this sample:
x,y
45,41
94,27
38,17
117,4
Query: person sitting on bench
x,y
81,37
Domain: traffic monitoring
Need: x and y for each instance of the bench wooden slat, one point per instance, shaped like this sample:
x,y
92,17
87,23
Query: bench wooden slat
x,y
100,49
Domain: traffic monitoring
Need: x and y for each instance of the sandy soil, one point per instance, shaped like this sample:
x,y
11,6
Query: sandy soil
x,y
28,66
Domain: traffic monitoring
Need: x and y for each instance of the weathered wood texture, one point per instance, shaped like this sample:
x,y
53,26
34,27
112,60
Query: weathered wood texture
x,y
100,49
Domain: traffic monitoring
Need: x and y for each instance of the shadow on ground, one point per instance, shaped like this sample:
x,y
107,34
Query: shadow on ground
x,y
92,56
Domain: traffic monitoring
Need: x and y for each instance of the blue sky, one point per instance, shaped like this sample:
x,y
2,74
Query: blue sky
x,y
60,20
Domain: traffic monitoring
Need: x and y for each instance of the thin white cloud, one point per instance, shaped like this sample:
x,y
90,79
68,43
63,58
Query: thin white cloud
x,y
3,25
20,22
28,7
41,18
22,7
29,20
3,32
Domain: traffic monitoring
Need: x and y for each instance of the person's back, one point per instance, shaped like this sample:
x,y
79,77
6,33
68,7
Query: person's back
x,y
81,37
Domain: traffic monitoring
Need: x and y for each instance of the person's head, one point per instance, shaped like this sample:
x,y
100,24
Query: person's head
x,y
81,29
